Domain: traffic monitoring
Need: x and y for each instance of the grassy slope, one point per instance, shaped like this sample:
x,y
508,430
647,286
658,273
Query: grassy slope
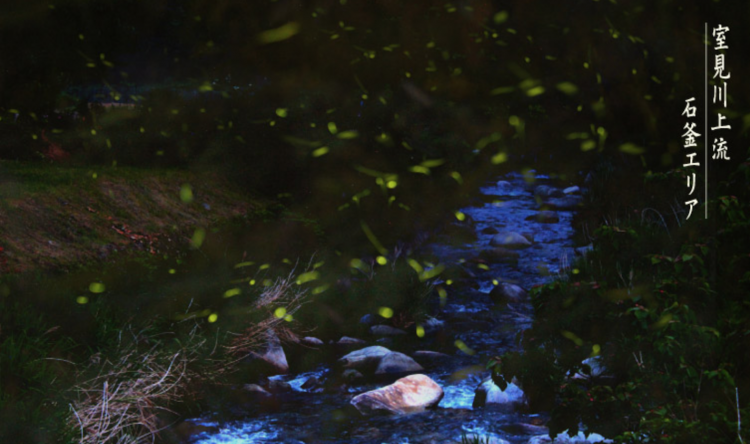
x,y
57,217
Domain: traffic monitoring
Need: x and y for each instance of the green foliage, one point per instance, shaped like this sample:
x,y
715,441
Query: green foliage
x,y
669,323
34,371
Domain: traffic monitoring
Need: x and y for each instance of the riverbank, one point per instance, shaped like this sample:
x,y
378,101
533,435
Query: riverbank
x,y
56,218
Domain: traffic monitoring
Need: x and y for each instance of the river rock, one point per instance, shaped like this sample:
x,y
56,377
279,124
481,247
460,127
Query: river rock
x,y
311,342
410,394
489,393
499,255
563,438
346,341
272,361
351,375
432,325
395,363
368,319
570,202
597,369
545,217
546,192
368,357
572,190
312,383
277,386
254,391
505,293
386,330
510,239
489,230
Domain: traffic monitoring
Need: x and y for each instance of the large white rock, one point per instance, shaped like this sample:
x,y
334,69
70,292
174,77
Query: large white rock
x,y
395,363
410,394
366,357
489,393
509,239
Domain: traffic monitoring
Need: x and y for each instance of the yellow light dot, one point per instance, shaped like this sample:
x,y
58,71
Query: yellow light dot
x,y
495,282
449,282
232,292
96,287
252,282
420,331
576,271
82,300
596,349
186,193
213,317
460,216
172,271
381,260
385,312
288,318
93,132
392,184
280,312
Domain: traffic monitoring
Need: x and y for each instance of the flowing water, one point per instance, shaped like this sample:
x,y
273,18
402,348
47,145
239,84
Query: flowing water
x,y
315,416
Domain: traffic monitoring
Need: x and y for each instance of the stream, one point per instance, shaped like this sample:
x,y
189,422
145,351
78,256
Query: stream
x,y
312,415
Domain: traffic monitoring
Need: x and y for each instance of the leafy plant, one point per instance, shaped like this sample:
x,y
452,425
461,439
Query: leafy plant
x,y
668,322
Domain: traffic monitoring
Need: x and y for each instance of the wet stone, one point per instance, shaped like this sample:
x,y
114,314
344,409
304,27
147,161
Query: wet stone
x,y
386,330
